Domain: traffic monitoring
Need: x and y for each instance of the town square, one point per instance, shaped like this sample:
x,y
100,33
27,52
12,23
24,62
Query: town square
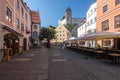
x,y
59,40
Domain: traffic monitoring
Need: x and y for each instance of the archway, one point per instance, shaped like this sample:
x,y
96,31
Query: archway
x,y
11,41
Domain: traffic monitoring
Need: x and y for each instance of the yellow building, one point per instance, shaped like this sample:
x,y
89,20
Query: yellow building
x,y
62,34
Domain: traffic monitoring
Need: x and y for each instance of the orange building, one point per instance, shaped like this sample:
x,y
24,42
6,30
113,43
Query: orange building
x,y
108,18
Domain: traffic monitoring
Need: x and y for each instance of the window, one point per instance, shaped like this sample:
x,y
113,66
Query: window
x,y
89,32
35,26
106,42
17,23
94,9
91,21
22,27
26,16
18,4
35,34
67,18
105,8
22,11
94,30
117,21
105,25
94,19
8,15
88,24
91,12
117,2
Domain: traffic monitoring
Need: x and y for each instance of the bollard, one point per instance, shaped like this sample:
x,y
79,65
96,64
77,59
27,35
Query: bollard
x,y
7,54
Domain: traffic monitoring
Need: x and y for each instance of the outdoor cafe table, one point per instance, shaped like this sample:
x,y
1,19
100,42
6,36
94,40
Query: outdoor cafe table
x,y
115,57
99,54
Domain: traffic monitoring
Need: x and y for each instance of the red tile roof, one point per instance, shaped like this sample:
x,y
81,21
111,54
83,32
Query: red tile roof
x,y
35,17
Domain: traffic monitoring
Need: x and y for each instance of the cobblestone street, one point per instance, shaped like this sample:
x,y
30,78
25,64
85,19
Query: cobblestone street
x,y
31,65
57,64
67,65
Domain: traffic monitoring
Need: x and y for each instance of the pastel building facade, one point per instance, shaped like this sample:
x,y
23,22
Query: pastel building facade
x,y
62,34
15,24
68,19
35,28
91,19
91,23
82,29
81,32
108,19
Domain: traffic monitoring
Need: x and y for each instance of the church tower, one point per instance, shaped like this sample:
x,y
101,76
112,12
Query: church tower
x,y
68,16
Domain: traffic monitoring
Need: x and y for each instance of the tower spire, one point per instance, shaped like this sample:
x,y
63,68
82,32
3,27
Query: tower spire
x,y
68,15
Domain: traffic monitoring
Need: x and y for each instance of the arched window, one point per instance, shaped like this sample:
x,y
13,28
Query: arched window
x,y
35,34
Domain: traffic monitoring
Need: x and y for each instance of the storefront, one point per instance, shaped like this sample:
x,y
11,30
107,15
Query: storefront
x,y
11,41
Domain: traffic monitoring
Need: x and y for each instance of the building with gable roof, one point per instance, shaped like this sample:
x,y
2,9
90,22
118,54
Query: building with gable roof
x,y
35,28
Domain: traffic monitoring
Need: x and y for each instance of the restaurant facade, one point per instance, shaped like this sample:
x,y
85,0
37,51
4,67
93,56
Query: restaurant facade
x,y
108,19
15,23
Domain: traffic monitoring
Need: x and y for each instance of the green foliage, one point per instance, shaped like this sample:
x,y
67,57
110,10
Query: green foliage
x,y
70,26
48,33
63,17
50,26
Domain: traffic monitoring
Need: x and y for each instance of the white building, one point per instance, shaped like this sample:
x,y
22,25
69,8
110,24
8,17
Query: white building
x,y
91,19
82,29
69,20
91,23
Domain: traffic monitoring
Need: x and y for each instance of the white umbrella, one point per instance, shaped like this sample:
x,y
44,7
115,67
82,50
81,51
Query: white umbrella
x,y
101,35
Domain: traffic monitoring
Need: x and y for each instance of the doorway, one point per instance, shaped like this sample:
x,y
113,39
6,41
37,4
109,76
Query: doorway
x,y
11,41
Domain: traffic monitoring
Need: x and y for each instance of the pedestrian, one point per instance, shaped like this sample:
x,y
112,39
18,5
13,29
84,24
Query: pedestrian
x,y
63,46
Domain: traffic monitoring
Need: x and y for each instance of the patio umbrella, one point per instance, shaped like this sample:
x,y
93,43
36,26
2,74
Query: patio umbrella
x,y
101,35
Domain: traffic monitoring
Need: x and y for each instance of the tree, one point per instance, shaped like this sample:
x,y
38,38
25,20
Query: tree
x,y
48,33
52,32
63,17
70,26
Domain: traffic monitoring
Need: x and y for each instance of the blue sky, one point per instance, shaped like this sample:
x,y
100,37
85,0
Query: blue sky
x,y
53,10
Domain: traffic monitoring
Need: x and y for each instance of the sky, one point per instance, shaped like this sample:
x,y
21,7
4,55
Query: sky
x,y
52,10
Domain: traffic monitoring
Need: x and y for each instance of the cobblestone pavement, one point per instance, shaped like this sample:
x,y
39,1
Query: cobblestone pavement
x,y
67,65
56,64
31,65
